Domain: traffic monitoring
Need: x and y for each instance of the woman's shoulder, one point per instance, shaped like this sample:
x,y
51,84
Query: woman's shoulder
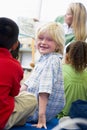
x,y
60,19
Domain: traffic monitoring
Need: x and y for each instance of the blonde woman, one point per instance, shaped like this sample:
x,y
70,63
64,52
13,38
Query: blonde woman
x,y
46,80
74,22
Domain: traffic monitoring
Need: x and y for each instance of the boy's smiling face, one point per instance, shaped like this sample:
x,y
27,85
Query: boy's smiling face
x,y
46,44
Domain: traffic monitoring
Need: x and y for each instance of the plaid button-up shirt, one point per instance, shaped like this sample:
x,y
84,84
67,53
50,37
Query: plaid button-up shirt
x,y
47,78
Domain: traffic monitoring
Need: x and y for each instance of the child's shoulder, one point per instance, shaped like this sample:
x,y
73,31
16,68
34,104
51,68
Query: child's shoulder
x,y
55,58
14,62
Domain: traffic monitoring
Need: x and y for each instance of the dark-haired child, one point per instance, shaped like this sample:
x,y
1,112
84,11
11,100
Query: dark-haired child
x,y
75,74
14,107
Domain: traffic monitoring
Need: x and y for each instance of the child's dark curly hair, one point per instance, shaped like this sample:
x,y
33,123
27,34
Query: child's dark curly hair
x,y
77,52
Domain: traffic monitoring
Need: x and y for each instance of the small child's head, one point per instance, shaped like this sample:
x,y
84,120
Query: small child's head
x,y
76,55
50,38
8,33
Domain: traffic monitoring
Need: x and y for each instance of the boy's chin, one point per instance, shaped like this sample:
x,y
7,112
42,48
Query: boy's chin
x,y
43,53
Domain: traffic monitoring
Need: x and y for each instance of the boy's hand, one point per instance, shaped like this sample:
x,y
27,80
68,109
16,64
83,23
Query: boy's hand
x,y
41,122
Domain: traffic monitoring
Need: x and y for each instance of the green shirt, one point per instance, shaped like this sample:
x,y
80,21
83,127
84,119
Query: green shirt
x,y
75,87
60,19
68,37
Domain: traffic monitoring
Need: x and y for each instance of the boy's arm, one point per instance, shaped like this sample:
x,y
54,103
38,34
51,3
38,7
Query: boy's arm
x,y
23,88
43,100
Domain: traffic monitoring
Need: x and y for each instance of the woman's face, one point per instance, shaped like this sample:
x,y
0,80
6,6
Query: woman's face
x,y
68,17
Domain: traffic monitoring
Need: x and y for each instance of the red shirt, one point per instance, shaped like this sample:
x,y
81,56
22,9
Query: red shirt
x,y
11,74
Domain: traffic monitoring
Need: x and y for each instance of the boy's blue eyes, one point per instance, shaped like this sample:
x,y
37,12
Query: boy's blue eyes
x,y
42,38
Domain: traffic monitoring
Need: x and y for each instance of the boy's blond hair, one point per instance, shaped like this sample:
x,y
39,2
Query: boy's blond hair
x,y
56,31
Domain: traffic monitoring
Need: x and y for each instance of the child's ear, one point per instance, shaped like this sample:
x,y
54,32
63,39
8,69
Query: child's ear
x,y
57,48
67,59
14,46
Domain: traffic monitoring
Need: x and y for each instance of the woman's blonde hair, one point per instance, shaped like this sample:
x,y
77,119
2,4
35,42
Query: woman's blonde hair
x,y
56,31
79,13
